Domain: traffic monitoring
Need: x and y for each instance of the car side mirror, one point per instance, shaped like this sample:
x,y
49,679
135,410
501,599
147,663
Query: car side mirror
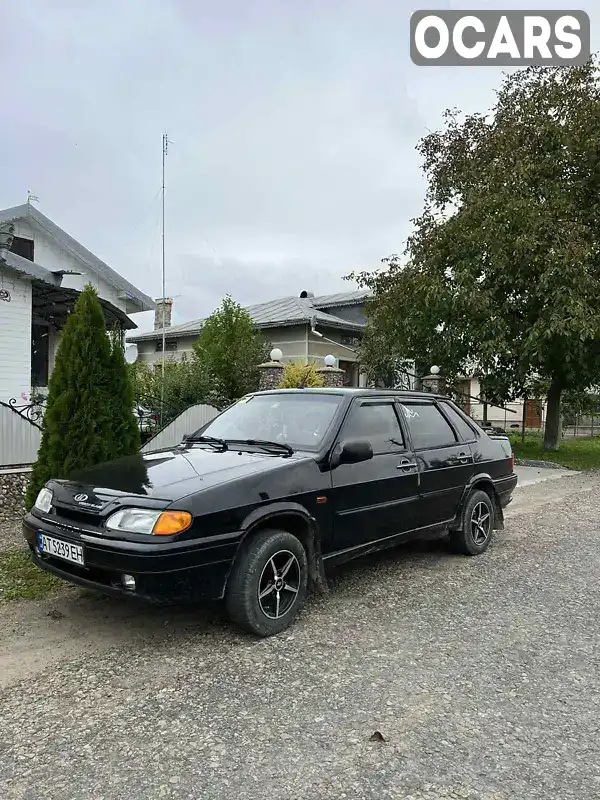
x,y
355,451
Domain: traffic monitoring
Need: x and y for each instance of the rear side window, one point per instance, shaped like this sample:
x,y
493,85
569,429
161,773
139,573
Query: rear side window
x,y
427,425
465,431
377,423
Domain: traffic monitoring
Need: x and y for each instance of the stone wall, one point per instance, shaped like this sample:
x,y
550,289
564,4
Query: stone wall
x,y
13,484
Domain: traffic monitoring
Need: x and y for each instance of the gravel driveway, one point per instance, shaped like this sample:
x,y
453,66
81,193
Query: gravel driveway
x,y
481,674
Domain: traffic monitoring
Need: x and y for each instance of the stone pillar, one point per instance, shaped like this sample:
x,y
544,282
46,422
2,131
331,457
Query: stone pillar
x,y
434,383
271,374
332,377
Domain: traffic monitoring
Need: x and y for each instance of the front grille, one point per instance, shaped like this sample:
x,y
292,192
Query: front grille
x,y
54,521
62,512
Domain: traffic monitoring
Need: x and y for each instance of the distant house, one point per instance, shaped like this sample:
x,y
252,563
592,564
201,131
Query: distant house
x,y
510,415
42,271
305,328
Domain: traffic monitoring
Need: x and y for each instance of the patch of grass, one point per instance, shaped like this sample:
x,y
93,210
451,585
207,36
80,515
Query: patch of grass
x,y
20,579
580,453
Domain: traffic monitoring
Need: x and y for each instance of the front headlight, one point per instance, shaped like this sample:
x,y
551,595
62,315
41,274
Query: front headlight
x,y
43,501
153,523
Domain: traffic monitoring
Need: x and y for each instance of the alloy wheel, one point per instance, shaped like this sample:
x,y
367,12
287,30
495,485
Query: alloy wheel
x,y
480,523
279,584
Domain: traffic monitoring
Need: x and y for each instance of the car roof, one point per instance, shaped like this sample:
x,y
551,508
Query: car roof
x,y
354,392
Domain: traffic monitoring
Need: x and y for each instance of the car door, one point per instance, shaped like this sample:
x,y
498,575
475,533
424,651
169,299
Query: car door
x,y
444,459
376,498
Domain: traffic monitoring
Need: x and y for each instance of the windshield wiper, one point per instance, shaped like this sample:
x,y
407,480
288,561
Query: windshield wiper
x,y
264,443
218,444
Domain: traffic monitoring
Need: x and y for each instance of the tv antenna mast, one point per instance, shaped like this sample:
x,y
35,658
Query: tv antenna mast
x,y
165,149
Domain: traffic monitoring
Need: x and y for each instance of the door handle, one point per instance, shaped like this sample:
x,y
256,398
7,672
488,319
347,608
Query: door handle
x,y
406,464
463,458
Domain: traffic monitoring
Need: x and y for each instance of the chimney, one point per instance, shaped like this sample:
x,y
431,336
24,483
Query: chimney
x,y
164,306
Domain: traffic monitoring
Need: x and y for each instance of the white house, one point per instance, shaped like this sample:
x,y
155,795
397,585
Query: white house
x,y
42,271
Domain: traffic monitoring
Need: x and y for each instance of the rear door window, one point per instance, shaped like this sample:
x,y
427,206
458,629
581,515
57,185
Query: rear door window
x,y
465,431
427,425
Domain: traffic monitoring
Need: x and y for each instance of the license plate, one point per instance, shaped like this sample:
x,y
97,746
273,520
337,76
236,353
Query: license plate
x,y
59,549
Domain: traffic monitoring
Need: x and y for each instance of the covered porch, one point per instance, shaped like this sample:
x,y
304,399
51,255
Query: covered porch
x,y
50,309
34,308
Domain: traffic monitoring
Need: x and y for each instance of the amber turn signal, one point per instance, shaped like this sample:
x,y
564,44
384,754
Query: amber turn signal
x,y
172,522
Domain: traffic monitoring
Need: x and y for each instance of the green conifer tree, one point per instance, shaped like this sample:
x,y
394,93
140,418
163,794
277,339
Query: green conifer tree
x,y
126,431
80,423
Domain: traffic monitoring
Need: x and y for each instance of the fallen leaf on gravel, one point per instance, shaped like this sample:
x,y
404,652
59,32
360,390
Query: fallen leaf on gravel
x,y
377,737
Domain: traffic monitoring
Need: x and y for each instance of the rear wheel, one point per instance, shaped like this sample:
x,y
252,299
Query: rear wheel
x,y
267,585
475,533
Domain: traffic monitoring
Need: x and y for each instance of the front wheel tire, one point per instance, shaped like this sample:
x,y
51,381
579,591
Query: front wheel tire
x,y
475,534
268,583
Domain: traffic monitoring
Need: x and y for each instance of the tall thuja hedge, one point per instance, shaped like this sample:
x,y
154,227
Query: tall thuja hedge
x,y
126,430
89,405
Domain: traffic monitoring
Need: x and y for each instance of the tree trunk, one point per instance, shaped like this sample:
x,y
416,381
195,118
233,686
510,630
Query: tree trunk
x,y
552,431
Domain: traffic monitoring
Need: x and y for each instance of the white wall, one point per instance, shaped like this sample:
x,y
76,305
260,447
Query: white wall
x,y
51,256
15,337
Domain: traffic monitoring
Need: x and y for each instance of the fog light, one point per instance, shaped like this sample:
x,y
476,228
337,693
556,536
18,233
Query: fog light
x,y
128,582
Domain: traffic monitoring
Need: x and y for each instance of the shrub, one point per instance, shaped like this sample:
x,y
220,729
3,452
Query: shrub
x,y
300,376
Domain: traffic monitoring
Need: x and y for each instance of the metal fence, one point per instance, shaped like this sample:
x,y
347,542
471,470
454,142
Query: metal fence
x,y
187,422
577,426
20,438
573,426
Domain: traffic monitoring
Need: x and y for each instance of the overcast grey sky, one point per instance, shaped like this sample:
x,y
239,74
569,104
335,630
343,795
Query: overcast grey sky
x,y
293,128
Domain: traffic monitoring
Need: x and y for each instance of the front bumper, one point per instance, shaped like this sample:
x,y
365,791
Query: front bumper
x,y
169,572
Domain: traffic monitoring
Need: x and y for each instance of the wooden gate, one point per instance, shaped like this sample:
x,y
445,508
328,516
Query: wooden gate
x,y
533,414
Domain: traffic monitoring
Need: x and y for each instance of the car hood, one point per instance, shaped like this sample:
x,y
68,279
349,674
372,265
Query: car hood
x,y
170,475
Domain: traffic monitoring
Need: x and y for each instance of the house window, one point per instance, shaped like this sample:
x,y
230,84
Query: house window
x,y
40,355
22,247
170,345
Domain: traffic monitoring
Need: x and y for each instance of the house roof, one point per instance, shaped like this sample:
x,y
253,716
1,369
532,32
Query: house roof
x,y
30,268
341,299
273,314
31,214
50,300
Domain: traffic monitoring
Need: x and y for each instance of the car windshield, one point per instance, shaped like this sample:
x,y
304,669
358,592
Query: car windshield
x,y
298,420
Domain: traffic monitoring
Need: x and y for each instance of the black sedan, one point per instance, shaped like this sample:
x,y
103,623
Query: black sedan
x,y
254,507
